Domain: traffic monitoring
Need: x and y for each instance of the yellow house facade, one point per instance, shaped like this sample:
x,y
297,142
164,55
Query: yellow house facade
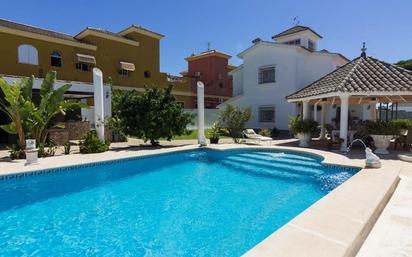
x,y
131,57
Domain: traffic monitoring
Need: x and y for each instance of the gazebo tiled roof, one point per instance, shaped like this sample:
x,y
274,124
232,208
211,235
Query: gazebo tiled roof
x,y
363,75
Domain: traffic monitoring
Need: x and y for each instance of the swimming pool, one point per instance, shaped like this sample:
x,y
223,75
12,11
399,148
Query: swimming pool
x,y
192,203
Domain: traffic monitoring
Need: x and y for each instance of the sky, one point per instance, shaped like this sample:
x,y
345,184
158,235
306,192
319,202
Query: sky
x,y
231,25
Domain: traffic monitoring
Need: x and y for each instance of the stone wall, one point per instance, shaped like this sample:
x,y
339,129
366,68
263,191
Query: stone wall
x,y
59,136
77,129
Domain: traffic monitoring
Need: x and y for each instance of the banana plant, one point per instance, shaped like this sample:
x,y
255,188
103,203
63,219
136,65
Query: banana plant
x,y
18,107
27,117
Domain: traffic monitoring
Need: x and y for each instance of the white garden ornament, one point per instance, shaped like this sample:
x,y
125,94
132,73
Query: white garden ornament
x,y
98,103
201,113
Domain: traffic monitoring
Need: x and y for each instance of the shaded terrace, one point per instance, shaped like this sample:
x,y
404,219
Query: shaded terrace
x,y
363,81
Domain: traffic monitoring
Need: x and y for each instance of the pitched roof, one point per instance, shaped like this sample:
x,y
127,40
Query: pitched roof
x,y
140,29
207,54
361,75
32,29
294,30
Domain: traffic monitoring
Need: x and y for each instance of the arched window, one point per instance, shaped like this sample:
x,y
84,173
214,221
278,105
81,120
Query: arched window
x,y
55,59
28,54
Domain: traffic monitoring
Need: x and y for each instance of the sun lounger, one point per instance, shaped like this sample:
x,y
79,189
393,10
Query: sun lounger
x,y
251,134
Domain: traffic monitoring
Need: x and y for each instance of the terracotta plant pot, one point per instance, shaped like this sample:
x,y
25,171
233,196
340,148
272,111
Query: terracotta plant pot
x,y
304,139
382,143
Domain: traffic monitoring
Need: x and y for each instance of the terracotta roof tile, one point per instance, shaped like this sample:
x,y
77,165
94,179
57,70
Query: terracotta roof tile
x,y
363,74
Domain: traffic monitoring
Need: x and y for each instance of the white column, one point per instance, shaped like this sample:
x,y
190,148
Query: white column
x,y
98,102
201,113
373,110
323,121
305,112
344,114
315,112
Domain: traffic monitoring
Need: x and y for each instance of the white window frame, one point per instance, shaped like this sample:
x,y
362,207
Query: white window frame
x,y
268,108
28,54
124,73
294,42
261,80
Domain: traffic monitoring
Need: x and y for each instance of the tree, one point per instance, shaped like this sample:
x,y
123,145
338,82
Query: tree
x,y
406,64
234,120
29,119
150,115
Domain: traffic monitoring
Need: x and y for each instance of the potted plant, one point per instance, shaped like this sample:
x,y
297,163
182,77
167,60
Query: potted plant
x,y
382,132
302,129
404,125
214,133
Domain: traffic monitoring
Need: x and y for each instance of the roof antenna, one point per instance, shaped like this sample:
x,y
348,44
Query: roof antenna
x,y
363,49
208,46
296,20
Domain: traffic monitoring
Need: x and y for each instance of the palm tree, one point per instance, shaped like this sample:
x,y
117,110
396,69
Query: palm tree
x,y
28,118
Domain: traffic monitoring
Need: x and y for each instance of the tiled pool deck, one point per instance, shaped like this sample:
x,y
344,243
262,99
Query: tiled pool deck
x,y
336,225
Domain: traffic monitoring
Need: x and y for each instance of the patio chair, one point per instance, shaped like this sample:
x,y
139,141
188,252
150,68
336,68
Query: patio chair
x,y
403,140
331,141
251,134
408,140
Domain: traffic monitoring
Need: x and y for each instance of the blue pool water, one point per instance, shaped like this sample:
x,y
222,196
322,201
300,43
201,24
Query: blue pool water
x,y
195,203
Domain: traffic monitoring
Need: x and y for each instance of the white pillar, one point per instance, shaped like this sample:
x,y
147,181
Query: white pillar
x,y
373,110
315,112
201,113
98,103
305,112
323,121
344,114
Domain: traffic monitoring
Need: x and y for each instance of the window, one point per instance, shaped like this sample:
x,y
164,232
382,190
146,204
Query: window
x,y
267,75
124,73
55,59
147,74
311,45
221,85
28,54
267,114
83,66
295,42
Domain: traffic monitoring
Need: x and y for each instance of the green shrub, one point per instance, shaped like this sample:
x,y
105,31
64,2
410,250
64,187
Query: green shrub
x,y
91,144
47,149
150,115
298,125
403,123
380,127
233,119
214,131
67,146
266,132
16,152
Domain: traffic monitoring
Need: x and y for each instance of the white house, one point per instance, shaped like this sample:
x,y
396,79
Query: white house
x,y
273,70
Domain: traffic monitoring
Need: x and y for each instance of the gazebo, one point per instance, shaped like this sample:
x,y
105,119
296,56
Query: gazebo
x,y
364,80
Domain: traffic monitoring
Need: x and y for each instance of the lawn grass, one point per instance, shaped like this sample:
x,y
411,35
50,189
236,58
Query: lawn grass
x,y
192,135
